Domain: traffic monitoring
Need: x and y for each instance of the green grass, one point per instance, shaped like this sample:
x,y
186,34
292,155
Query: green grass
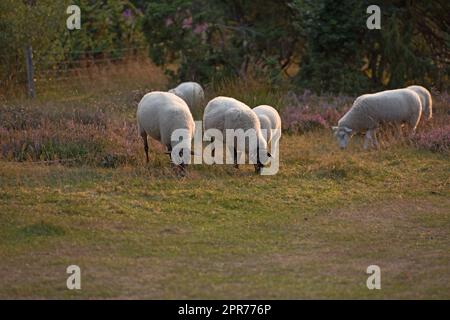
x,y
308,232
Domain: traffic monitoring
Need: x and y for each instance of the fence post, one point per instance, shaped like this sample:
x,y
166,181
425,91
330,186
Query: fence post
x,y
30,72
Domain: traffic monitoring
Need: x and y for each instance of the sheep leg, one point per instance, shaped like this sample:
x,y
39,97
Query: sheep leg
x,y
367,139
235,156
413,124
169,152
399,131
213,150
412,133
182,166
179,169
144,137
376,144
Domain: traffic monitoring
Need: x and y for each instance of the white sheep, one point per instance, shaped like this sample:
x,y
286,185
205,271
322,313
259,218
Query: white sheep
x,y
191,92
223,113
270,120
369,110
425,98
159,114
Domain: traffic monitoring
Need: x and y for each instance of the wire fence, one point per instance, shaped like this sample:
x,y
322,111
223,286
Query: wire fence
x,y
63,70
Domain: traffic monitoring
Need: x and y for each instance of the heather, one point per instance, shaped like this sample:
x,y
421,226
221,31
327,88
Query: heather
x,y
104,133
435,139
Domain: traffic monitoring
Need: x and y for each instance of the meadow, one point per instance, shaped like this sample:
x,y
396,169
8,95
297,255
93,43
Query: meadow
x,y
75,189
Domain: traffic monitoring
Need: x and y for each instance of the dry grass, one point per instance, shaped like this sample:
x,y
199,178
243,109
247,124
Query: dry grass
x,y
132,75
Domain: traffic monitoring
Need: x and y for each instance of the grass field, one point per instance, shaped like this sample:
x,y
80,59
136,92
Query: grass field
x,y
139,231
308,232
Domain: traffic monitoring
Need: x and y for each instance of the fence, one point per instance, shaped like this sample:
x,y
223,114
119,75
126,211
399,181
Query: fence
x,y
75,68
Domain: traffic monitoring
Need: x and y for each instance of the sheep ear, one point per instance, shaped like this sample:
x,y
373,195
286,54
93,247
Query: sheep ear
x,y
348,130
334,128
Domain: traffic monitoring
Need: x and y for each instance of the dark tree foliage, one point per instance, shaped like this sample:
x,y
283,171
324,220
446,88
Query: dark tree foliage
x,y
212,39
412,46
334,52
343,55
329,40
323,44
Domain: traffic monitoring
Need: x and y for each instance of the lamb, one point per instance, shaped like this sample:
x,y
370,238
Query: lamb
x,y
369,110
191,92
270,120
159,114
224,113
425,98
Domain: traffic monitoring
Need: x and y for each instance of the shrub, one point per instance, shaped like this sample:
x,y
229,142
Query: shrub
x,y
436,139
331,108
308,111
70,136
295,120
52,142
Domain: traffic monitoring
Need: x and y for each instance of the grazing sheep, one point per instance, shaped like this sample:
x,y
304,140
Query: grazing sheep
x,y
191,92
425,98
159,114
269,119
369,110
223,113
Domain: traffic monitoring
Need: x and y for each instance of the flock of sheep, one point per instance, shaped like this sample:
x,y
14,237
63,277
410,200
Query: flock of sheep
x,y
159,114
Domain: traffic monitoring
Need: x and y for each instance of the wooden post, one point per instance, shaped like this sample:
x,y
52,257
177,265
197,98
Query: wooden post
x,y
29,60
30,72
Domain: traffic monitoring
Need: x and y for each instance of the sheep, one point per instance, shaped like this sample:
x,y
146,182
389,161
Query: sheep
x,y
191,92
270,120
369,110
425,98
224,113
158,115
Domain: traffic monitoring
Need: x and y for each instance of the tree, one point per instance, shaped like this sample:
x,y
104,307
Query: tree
x,y
412,46
212,39
106,28
343,55
334,53
22,24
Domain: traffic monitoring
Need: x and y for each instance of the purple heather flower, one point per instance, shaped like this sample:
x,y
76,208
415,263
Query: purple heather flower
x,y
127,14
187,23
169,22
200,28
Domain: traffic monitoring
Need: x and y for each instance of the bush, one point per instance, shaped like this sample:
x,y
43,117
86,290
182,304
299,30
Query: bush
x,y
49,142
307,111
71,136
436,140
295,120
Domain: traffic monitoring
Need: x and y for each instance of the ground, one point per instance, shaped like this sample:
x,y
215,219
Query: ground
x,y
308,232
